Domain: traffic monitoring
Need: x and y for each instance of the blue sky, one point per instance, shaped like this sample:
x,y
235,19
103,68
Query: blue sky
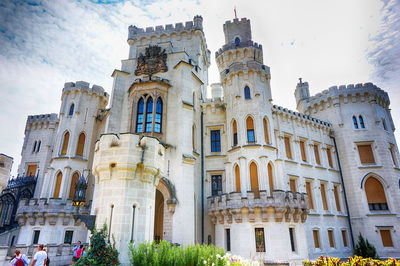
x,y
326,42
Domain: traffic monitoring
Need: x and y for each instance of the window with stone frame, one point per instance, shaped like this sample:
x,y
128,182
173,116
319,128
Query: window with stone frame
x,y
260,239
216,185
251,138
36,234
158,117
288,148
323,197
310,195
386,238
393,154
366,153
215,141
292,185
337,200
375,195
247,95
316,154
139,116
68,237
303,150
361,119
292,239
329,156
316,238
331,238
234,133
149,115
344,237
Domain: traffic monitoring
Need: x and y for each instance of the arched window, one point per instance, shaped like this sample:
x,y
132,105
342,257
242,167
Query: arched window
x,y
383,123
235,135
250,130
81,144
34,146
71,109
57,187
254,180
64,146
237,178
266,131
158,121
149,114
355,122
270,179
74,179
247,93
38,147
375,195
361,121
237,40
139,117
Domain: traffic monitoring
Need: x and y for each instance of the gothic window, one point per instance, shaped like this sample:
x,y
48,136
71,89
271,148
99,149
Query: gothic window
x,y
38,147
260,239
250,130
237,40
71,109
235,135
57,185
65,143
34,146
216,185
247,93
355,122
266,131
270,179
158,121
81,144
139,118
384,124
237,178
215,141
361,122
74,179
254,180
149,114
375,195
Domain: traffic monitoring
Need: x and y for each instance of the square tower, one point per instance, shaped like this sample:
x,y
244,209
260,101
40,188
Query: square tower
x,y
237,31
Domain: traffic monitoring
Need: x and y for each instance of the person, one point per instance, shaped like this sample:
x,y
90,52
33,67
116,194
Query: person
x,y
40,257
19,259
79,252
75,249
84,251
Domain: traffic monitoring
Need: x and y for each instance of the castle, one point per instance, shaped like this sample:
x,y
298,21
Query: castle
x,y
165,162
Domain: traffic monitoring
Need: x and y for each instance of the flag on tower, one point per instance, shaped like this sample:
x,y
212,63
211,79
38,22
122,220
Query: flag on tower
x,y
234,10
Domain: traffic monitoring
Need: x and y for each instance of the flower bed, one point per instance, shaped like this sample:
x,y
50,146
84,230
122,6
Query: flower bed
x,y
352,261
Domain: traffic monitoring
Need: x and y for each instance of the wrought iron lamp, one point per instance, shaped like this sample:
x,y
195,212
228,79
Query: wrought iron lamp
x,y
78,200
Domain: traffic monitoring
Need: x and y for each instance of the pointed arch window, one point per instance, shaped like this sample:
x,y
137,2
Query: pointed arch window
x,y
158,120
250,130
81,144
235,135
375,195
34,146
361,122
149,114
38,147
384,124
74,179
64,146
355,122
254,180
237,178
270,179
247,93
139,117
71,109
57,187
266,130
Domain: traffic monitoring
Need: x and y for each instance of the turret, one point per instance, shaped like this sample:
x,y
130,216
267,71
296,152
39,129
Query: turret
x,y
301,93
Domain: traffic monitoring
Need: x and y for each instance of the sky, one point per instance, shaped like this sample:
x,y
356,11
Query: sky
x,y
45,43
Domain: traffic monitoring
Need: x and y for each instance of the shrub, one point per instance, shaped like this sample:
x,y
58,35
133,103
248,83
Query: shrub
x,y
364,249
352,261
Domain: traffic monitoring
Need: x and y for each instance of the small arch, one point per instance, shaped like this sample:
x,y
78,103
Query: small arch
x,y
254,179
158,120
234,133
57,186
74,179
375,194
250,129
149,114
360,118
266,130
71,109
237,40
247,93
237,177
81,144
355,123
64,146
139,116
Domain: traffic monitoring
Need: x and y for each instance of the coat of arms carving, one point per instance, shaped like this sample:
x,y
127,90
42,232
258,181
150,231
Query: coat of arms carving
x,y
154,60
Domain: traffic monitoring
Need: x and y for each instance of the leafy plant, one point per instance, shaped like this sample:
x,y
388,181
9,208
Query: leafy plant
x,y
364,249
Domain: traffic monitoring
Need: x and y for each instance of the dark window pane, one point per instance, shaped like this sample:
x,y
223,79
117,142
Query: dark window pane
x,y
139,119
228,239
247,93
291,235
235,139
216,185
215,141
68,237
361,121
250,135
355,122
260,241
36,237
71,109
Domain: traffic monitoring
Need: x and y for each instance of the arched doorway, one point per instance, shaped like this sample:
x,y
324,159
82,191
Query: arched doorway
x,y
158,216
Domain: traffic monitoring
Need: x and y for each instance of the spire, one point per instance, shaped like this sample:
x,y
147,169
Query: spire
x,y
234,10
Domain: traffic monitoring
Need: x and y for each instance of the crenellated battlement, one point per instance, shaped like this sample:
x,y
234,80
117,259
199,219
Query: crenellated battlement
x,y
43,118
84,86
232,46
137,33
297,115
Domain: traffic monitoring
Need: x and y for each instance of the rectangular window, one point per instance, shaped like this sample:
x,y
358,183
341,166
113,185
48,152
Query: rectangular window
x,y
292,241
336,193
366,154
316,153
303,151
292,183
329,155
260,241
215,141
323,196
228,239
68,237
235,139
287,148
250,136
386,238
216,185
309,194
36,234
31,170
316,238
393,154
344,237
331,240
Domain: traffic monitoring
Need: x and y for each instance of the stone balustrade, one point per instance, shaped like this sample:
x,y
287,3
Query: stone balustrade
x,y
287,205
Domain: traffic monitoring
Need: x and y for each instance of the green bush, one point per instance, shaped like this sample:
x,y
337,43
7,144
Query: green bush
x,y
352,261
364,249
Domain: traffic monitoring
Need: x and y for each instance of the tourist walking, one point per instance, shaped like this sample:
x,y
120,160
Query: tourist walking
x,y
40,257
75,250
19,259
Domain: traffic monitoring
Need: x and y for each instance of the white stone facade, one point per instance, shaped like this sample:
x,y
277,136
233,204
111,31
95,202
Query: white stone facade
x,y
6,163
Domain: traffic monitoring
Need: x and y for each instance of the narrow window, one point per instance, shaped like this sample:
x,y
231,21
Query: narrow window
x,y
375,195
254,180
316,238
292,241
74,179
366,154
323,196
36,235
250,130
316,154
32,170
216,185
71,109
58,185
237,40
266,131
309,194
344,237
331,240
133,222
361,122
38,147
65,143
194,137
139,116
237,178
158,121
384,124
270,179
329,155
81,144
303,151
336,193
260,240
215,141
292,183
386,238
34,146
355,122
393,154
235,135
228,239
109,226
149,114
288,148
68,237
247,93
